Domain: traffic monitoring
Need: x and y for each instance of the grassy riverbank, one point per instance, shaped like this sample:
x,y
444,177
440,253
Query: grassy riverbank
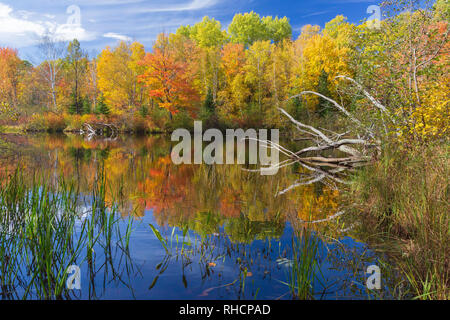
x,y
404,198
11,129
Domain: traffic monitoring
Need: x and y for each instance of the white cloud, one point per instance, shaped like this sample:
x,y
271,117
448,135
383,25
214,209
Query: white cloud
x,y
318,13
106,2
117,36
18,30
68,32
16,26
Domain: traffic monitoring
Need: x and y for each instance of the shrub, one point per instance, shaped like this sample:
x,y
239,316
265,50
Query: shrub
x,y
54,122
90,118
36,123
253,117
181,120
160,117
143,111
74,122
134,124
140,125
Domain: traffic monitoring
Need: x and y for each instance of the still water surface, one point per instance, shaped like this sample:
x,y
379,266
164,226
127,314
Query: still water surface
x,y
227,235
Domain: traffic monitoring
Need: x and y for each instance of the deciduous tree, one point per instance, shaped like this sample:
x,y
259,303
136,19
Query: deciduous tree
x,y
10,68
118,70
167,81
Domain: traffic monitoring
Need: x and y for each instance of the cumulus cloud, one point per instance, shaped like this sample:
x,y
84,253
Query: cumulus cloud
x,y
68,32
18,26
19,29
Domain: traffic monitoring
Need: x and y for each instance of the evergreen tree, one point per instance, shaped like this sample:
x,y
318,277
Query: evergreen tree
x,y
208,107
209,104
76,104
86,106
208,110
102,107
323,88
76,63
143,111
298,108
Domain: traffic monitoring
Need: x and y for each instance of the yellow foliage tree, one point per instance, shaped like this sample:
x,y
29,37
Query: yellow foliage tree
x,y
319,53
117,71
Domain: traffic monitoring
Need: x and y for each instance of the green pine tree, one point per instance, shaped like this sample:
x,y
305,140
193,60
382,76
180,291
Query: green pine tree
x,y
323,88
86,106
102,107
208,108
298,108
209,105
143,111
76,105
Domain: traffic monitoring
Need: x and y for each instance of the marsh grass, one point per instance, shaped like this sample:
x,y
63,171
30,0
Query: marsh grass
x,y
303,269
44,230
405,200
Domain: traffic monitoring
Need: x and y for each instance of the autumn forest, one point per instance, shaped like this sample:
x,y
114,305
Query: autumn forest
x,y
236,77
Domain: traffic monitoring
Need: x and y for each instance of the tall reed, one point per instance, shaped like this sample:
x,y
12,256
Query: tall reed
x,y
405,197
43,231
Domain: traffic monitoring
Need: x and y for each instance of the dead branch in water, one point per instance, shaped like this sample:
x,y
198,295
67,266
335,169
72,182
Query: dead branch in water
x,y
335,216
356,145
100,129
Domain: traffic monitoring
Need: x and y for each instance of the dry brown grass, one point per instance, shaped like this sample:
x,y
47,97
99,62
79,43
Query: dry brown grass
x,y
406,195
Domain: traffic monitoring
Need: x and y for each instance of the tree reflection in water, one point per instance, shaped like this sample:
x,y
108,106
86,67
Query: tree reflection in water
x,y
230,236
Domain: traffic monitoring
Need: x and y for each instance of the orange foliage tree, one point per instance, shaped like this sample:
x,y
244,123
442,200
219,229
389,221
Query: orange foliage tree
x,y
9,76
166,79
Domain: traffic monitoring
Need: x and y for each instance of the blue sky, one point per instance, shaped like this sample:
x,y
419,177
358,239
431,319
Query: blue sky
x,y
104,22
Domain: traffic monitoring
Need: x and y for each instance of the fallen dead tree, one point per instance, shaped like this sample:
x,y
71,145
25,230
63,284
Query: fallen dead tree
x,y
105,130
352,149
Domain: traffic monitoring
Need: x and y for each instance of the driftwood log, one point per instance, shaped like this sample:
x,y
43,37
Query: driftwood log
x,y
354,148
104,130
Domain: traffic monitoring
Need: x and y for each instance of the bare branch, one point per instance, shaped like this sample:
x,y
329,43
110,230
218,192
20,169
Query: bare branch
x,y
367,94
341,108
302,183
299,124
340,213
